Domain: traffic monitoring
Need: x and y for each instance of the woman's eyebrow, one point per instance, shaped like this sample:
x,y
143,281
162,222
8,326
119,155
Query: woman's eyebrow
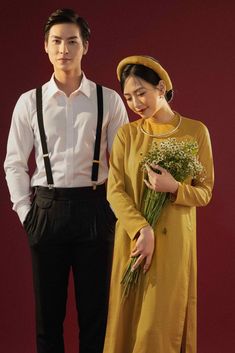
x,y
137,89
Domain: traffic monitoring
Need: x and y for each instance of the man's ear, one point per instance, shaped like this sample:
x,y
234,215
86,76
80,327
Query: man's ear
x,y
46,47
86,46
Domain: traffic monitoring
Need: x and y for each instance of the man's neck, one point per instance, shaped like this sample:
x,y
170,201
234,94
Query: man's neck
x,y
68,82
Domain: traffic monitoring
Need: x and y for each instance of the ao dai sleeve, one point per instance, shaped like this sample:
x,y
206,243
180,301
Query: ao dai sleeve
x,y
199,194
121,202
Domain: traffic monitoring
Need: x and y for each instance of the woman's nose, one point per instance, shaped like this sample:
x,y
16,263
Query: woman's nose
x,y
137,103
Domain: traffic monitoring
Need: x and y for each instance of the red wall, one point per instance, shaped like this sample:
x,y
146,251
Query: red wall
x,y
194,40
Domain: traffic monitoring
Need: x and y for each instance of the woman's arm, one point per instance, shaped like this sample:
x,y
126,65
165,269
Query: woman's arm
x,y
200,193
123,205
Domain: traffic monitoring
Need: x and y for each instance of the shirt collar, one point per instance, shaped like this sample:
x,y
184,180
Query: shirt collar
x,y
85,87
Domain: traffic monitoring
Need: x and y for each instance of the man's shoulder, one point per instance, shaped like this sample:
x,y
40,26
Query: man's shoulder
x,y
31,93
28,94
26,100
109,92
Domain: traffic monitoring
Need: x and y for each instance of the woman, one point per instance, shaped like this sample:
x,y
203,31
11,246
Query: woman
x,y
159,316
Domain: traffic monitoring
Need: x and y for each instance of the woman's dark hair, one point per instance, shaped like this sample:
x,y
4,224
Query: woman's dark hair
x,y
67,16
145,73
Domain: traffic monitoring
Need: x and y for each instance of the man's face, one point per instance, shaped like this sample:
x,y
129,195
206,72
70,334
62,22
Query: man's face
x,y
65,47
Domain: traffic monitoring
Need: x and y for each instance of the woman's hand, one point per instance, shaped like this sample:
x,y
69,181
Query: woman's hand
x,y
144,248
163,182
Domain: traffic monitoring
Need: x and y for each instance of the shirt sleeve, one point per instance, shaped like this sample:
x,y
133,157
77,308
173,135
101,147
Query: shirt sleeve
x,y
122,204
200,193
118,117
19,147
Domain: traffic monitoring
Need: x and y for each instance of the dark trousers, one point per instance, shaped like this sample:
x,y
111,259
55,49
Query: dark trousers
x,y
71,229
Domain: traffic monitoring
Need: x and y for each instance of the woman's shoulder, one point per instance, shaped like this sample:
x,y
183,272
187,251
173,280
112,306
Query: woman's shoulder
x,y
129,130
191,123
131,126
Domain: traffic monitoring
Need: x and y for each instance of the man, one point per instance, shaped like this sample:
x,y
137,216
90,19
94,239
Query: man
x,y
63,208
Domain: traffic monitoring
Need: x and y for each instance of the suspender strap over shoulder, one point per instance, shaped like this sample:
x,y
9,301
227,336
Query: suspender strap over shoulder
x,y
96,158
46,159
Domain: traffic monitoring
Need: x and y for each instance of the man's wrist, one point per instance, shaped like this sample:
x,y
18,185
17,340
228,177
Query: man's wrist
x,y
22,212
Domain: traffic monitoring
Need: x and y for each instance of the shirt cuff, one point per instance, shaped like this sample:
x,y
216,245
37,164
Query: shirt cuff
x,y
22,212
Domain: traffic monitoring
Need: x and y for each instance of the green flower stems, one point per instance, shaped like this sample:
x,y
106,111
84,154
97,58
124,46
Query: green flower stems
x,y
153,204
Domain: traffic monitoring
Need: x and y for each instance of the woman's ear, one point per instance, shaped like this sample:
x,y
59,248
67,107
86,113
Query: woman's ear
x,y
162,87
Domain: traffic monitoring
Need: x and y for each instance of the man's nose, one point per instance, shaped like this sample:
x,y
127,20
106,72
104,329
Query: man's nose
x,y
63,48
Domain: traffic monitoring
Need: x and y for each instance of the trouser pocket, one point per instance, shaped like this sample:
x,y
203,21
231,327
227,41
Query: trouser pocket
x,y
35,223
106,221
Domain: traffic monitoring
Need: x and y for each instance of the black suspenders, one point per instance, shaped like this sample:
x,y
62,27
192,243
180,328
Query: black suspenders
x,y
46,159
96,158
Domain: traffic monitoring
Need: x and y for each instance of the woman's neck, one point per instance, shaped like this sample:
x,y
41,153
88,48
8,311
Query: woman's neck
x,y
164,115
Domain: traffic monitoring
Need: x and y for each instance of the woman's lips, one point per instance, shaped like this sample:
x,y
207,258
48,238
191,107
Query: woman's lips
x,y
141,111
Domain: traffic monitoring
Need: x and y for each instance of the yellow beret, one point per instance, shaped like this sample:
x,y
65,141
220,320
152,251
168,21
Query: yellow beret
x,y
148,62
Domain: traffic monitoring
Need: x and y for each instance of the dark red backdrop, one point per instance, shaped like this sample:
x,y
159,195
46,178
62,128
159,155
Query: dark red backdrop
x,y
195,41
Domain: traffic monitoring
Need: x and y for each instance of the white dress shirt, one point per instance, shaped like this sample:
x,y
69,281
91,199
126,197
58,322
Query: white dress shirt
x,y
70,128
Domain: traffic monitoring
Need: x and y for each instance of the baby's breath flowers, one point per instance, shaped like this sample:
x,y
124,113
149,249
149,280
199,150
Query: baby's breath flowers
x,y
180,159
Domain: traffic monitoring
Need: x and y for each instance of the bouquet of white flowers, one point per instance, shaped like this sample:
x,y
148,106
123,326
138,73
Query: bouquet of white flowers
x,y
180,159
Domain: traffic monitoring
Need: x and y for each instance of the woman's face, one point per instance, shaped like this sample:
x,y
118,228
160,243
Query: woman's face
x,y
142,97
